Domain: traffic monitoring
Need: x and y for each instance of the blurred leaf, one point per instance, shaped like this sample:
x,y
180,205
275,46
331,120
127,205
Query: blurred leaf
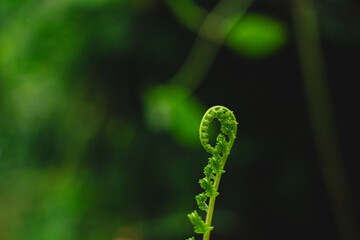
x,y
173,109
257,35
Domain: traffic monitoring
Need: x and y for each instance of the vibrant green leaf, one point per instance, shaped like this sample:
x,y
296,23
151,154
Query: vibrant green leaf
x,y
215,163
201,201
208,172
221,144
209,188
199,225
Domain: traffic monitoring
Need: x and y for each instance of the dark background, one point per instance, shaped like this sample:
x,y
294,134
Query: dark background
x,y
99,126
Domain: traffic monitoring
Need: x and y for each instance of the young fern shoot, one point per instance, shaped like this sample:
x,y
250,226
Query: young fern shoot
x,y
215,168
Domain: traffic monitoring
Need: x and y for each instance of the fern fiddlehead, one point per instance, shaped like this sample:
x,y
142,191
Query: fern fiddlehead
x,y
215,168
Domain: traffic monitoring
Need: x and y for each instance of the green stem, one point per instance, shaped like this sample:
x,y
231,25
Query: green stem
x,y
210,211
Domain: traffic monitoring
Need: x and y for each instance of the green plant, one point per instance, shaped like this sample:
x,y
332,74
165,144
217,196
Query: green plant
x,y
215,168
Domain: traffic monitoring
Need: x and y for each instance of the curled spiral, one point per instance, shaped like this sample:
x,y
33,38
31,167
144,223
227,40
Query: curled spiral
x,y
228,127
215,167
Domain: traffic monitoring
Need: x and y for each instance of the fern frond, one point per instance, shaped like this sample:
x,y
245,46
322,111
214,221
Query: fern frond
x,y
199,225
208,172
214,169
201,201
215,163
221,144
208,186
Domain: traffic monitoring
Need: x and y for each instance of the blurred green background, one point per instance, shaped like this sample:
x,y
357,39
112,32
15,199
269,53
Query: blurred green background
x,y
101,101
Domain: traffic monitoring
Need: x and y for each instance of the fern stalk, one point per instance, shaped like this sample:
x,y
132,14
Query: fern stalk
x,y
210,183
212,200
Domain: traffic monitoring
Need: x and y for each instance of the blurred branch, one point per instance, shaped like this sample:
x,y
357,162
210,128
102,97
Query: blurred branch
x,y
211,35
322,118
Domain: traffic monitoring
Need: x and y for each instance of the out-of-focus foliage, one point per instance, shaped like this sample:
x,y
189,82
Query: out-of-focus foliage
x,y
187,12
257,35
172,109
47,121
95,143
254,36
